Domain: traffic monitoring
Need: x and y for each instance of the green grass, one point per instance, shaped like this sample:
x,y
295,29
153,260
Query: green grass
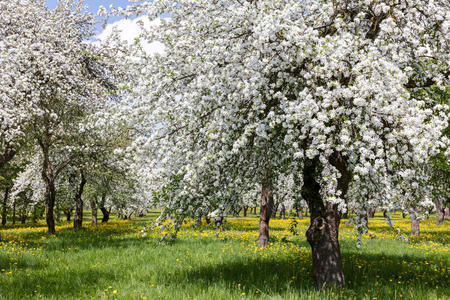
x,y
114,261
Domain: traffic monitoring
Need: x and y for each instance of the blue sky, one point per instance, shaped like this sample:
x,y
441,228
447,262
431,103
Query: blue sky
x,y
94,4
93,7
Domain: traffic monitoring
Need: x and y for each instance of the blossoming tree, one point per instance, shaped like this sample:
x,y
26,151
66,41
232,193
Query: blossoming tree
x,y
326,90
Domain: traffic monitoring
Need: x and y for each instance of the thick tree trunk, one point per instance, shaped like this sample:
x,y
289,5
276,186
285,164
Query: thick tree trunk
x,y
105,213
5,206
371,213
49,206
447,213
265,212
300,214
415,221
101,206
283,211
245,210
323,233
78,217
94,211
49,178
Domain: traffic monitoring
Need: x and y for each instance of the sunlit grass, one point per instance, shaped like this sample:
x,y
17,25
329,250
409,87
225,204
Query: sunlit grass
x,y
114,261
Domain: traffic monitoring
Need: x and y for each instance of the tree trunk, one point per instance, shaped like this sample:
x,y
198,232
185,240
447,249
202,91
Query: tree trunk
x,y
49,206
4,206
300,214
68,213
49,178
440,212
323,232
129,216
245,210
78,217
14,212
283,211
415,221
105,213
23,216
447,213
34,214
94,211
274,210
371,213
254,210
265,212
208,220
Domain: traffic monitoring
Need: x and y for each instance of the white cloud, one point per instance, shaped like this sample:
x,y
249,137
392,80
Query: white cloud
x,y
130,30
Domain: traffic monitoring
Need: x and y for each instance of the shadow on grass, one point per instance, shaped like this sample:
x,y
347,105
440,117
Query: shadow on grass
x,y
364,272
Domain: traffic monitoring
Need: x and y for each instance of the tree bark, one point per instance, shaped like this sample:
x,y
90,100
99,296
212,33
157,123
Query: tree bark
x,y
447,213
440,212
23,216
274,210
415,221
78,217
34,214
50,192
265,211
105,213
371,213
245,210
14,212
300,214
323,232
68,213
49,206
283,211
94,211
4,206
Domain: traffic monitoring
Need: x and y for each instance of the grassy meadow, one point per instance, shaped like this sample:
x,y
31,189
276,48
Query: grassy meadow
x,y
114,261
